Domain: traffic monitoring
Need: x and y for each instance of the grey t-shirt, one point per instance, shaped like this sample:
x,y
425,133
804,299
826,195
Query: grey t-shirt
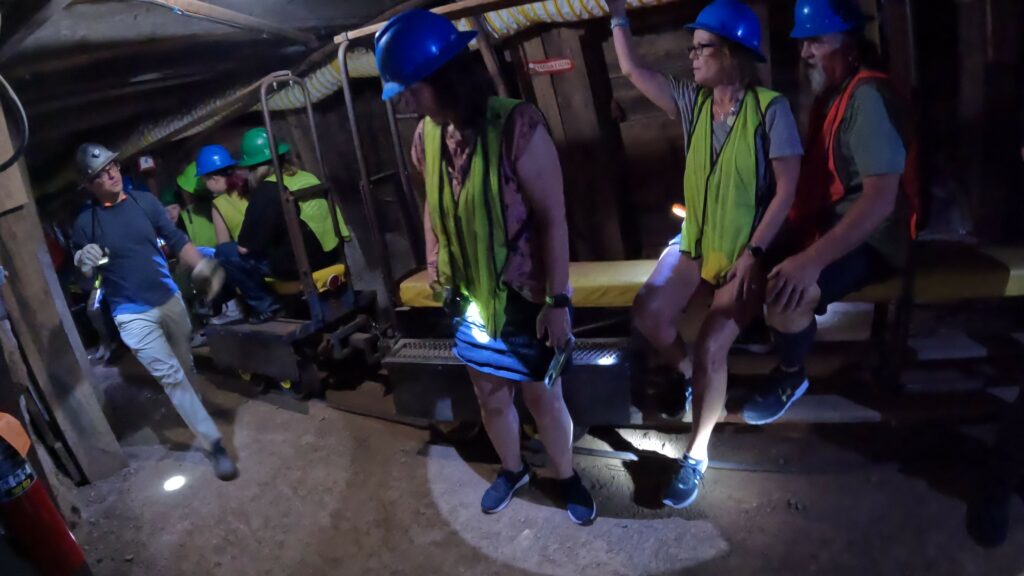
x,y
870,145
783,133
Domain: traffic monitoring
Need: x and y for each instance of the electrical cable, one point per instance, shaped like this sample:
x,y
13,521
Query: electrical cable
x,y
19,150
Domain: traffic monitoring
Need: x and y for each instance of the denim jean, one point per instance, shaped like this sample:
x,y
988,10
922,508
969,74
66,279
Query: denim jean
x,y
247,274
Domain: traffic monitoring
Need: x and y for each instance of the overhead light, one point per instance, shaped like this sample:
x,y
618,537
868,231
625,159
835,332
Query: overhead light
x,y
679,210
174,483
609,360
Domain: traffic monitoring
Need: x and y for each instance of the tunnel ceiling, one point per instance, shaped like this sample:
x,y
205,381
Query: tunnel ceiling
x,y
97,69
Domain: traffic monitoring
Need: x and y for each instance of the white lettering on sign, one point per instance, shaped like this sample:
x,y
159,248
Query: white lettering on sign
x,y
551,66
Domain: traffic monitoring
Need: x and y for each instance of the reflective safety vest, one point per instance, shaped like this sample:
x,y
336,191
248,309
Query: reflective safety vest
x,y
316,212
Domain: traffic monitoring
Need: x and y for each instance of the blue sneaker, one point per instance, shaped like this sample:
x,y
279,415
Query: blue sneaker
x,y
769,404
504,487
685,486
578,502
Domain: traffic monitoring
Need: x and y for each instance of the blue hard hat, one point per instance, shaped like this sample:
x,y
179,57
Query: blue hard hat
x,y
820,17
734,21
414,45
213,158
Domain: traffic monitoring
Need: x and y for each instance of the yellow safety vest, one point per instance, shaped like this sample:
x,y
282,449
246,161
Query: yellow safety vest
x,y
472,246
232,209
199,226
315,212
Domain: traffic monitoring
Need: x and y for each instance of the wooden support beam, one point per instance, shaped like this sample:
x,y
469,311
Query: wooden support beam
x,y
17,30
453,11
44,327
227,17
490,57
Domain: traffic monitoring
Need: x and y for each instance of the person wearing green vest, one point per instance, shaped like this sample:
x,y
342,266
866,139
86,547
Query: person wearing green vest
x,y
743,156
197,217
497,240
315,212
217,171
246,269
197,221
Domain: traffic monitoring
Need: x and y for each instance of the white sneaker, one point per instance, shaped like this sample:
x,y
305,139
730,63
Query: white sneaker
x,y
232,313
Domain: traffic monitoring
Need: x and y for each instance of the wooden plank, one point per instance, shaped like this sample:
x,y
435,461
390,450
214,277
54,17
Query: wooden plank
x,y
38,14
208,11
490,57
47,333
543,88
761,8
453,11
591,186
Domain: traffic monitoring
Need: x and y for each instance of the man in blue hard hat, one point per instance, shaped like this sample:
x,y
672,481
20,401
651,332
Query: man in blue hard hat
x,y
118,237
855,209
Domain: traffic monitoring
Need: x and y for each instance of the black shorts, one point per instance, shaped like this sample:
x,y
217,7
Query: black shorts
x,y
860,268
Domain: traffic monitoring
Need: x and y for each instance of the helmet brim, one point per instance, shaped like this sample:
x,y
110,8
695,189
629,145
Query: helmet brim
x,y
99,168
724,34
462,40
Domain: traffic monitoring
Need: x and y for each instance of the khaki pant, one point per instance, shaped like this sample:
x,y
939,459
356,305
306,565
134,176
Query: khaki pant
x,y
160,339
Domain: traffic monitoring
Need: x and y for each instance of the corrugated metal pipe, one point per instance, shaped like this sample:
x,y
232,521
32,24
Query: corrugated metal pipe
x,y
500,24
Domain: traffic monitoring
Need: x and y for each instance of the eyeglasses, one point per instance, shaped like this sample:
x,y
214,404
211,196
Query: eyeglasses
x,y
700,49
108,170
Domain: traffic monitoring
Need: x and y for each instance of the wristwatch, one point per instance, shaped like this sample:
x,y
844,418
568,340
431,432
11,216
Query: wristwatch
x,y
756,251
619,22
558,301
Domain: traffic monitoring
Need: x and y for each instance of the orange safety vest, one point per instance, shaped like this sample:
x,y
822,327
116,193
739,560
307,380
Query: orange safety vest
x,y
820,187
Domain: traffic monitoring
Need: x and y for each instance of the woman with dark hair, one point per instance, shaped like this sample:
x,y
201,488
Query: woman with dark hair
x,y
219,172
497,240
742,163
245,270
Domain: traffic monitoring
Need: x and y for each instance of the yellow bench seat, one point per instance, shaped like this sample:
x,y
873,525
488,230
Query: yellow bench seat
x,y
945,272
321,278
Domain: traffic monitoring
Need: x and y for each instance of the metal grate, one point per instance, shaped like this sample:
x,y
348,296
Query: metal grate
x,y
600,352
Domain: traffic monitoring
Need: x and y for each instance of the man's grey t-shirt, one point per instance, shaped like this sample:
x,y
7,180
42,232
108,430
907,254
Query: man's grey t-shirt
x,y
869,144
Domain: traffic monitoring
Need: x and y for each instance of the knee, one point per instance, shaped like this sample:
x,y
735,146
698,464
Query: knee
x,y
649,319
494,403
712,353
543,403
784,320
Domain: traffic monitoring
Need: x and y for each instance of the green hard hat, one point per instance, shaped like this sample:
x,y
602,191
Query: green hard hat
x,y
189,182
169,196
256,147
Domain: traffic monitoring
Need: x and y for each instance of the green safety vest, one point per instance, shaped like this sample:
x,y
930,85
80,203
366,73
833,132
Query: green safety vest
x,y
232,209
199,226
721,194
316,212
472,246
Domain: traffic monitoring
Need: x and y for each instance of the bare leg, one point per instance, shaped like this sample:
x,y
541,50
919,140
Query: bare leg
x,y
723,324
498,411
661,301
553,423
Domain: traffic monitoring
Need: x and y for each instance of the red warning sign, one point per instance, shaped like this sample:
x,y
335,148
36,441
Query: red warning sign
x,y
551,66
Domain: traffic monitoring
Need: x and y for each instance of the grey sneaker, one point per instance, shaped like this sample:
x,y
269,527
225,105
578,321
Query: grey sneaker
x,y
231,313
223,466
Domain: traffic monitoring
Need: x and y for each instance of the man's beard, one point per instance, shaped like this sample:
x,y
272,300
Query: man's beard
x,y
817,77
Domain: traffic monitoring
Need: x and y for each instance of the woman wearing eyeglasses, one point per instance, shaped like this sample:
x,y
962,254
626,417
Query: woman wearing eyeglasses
x,y
742,164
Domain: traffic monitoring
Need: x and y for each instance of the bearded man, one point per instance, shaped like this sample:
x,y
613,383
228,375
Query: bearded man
x,y
854,212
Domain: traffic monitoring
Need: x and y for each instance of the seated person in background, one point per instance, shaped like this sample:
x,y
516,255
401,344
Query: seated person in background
x,y
215,165
315,212
197,217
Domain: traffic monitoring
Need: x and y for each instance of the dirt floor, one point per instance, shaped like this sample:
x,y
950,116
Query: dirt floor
x,y
326,492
